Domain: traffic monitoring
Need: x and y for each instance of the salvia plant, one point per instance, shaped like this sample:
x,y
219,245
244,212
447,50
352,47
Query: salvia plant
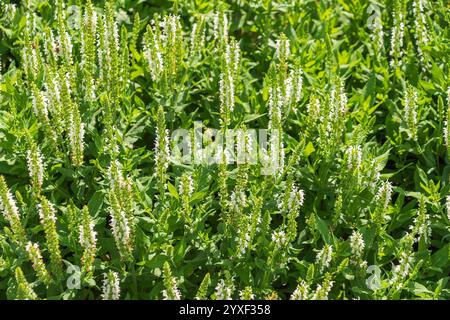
x,y
88,239
35,256
224,150
111,286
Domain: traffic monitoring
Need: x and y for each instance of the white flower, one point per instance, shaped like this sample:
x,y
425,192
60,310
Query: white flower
x,y
223,155
10,210
76,138
420,24
377,34
276,156
174,289
342,99
162,149
384,194
223,292
397,36
225,27
236,54
279,238
313,108
357,244
216,26
34,253
238,200
322,290
299,84
447,122
447,204
65,43
323,257
34,59
301,292
275,107
401,271
244,241
43,213
424,230
92,22
88,239
193,35
40,105
116,35
111,286
35,167
421,225
288,89
120,227
226,89
296,198
354,158
9,11
282,48
186,186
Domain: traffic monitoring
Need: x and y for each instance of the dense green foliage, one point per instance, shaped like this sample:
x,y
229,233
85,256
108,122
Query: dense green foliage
x,y
357,91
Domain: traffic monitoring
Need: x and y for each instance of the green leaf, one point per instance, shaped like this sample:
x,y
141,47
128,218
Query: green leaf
x,y
322,227
309,149
172,190
441,258
96,202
